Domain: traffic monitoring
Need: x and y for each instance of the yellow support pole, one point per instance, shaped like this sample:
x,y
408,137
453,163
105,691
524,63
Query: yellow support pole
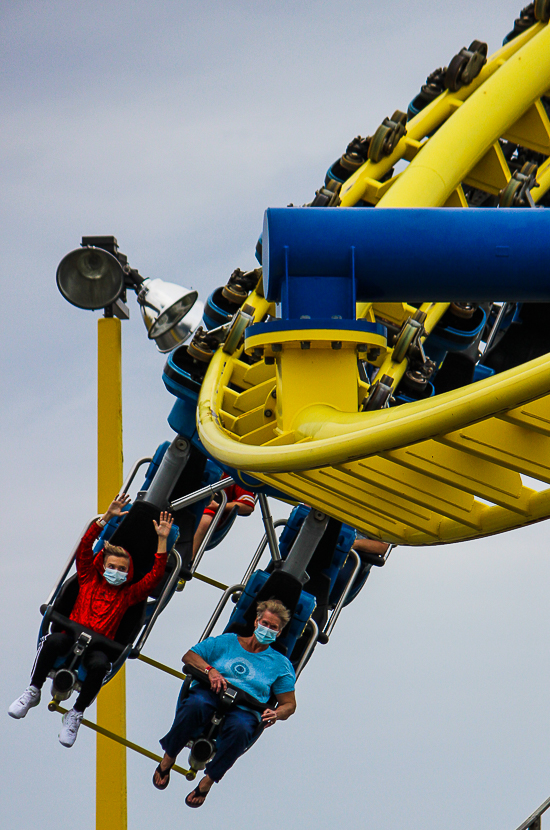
x,y
111,808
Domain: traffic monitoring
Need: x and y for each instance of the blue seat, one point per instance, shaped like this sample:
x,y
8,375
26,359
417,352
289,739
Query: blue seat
x,y
154,464
114,523
263,585
343,579
56,618
346,538
221,532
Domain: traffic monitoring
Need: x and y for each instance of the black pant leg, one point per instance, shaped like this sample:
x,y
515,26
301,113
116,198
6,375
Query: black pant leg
x,y
51,647
97,665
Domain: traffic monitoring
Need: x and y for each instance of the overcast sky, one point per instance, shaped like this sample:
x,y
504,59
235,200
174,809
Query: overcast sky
x,y
173,125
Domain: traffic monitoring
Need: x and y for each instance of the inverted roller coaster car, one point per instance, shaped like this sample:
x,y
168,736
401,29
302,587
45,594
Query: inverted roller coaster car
x,y
69,671
174,471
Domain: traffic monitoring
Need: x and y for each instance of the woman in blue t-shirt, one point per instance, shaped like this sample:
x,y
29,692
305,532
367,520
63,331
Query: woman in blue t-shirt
x,y
248,663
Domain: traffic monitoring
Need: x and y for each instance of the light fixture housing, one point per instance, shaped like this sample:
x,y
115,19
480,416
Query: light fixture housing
x,y
171,313
90,278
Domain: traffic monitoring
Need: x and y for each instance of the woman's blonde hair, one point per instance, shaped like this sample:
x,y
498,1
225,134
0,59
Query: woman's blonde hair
x,y
276,607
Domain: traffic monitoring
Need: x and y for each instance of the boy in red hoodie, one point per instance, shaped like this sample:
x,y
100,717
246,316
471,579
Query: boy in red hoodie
x,y
102,600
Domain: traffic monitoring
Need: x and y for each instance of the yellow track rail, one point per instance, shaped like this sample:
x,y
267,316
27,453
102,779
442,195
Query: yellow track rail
x,y
440,470
465,147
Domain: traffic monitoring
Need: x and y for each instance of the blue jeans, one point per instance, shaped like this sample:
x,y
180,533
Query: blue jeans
x,y
193,713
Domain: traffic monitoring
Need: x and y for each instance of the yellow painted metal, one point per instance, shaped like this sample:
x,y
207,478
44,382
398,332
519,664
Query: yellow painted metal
x,y
457,199
532,130
543,181
425,493
317,338
370,175
421,475
434,312
491,174
315,374
313,366
122,741
161,666
445,469
111,807
210,581
305,377
335,437
483,118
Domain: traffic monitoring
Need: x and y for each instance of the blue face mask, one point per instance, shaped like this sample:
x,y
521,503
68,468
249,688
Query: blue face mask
x,y
265,635
115,577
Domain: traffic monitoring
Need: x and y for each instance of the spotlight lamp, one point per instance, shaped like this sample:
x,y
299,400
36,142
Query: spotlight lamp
x,y
97,276
170,312
92,276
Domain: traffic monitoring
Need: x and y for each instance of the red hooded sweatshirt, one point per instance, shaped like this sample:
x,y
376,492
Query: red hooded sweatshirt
x,y
99,605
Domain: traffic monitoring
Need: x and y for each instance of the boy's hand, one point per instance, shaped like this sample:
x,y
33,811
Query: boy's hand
x,y
164,526
116,507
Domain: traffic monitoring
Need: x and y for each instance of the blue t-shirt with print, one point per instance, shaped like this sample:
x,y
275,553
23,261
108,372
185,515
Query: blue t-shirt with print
x,y
259,673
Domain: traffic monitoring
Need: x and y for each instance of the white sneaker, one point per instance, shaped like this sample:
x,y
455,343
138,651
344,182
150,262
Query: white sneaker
x,y
29,698
70,726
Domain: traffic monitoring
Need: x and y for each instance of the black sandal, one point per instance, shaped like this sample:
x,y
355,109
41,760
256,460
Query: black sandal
x,y
195,792
163,773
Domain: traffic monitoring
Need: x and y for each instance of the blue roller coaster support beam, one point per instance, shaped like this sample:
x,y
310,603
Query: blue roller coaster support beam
x,y
318,262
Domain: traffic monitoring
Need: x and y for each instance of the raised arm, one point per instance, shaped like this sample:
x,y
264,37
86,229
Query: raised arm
x,y
115,509
85,553
141,589
163,529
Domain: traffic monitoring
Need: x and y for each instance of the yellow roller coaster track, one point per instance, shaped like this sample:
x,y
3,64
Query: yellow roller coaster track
x,y
444,469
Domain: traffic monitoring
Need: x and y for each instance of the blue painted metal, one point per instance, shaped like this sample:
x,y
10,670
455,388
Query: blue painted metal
x,y
404,397
217,310
182,419
221,532
209,323
451,338
342,581
178,378
481,372
332,175
259,246
413,109
319,261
